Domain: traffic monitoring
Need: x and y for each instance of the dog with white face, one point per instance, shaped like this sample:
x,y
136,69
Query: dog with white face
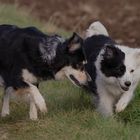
x,y
114,70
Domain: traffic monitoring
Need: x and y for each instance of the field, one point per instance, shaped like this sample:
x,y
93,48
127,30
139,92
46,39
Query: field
x,y
71,115
121,17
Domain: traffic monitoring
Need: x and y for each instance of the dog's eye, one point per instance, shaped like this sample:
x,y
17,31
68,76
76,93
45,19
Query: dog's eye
x,y
132,71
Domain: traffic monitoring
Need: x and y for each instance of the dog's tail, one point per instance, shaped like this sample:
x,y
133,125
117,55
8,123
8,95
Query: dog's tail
x,y
96,28
37,98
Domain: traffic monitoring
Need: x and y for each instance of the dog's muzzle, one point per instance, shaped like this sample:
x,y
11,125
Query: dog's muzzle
x,y
124,88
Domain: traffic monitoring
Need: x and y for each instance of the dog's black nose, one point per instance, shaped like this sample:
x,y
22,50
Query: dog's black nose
x,y
127,83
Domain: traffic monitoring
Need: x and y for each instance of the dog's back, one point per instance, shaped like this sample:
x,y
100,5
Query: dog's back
x,y
10,30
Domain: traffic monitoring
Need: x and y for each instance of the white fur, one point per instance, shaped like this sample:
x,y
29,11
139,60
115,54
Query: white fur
x,y
79,75
5,107
74,47
33,111
132,61
1,81
60,75
28,76
109,88
96,28
37,98
48,53
30,94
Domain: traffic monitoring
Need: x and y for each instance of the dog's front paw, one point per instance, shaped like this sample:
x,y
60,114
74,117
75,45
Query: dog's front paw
x,y
120,106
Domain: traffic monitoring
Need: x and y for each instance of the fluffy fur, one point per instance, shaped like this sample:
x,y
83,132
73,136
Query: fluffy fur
x,y
96,28
114,70
27,56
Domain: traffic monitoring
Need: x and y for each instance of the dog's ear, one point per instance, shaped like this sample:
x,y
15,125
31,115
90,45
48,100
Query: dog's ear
x,y
108,51
74,43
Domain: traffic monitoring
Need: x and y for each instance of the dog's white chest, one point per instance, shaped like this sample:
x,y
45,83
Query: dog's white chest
x,y
107,88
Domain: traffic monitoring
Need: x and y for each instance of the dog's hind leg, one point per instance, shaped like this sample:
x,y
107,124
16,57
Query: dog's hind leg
x,y
32,94
33,111
37,98
6,98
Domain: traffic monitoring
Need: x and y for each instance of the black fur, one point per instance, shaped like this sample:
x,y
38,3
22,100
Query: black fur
x,y
112,63
20,49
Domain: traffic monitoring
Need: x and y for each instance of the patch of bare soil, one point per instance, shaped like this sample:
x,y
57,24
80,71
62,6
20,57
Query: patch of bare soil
x,y
121,17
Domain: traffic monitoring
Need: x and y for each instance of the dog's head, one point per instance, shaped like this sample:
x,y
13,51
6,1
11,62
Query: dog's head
x,y
118,65
130,78
64,57
112,61
71,58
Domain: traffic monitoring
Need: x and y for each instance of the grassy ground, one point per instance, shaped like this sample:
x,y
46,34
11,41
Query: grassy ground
x,y
71,115
12,15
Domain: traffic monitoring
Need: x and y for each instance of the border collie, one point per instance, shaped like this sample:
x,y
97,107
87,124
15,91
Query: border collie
x,y
27,56
114,70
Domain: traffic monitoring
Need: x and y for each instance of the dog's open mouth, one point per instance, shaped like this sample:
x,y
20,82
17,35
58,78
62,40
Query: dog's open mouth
x,y
74,80
124,88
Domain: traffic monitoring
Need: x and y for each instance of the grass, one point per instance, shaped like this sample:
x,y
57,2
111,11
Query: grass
x,y
11,14
71,114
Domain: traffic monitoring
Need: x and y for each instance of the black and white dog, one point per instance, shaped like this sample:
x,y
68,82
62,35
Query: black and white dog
x,y
27,55
114,70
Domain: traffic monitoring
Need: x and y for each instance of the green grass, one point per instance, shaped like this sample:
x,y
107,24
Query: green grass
x,y
71,114
10,14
